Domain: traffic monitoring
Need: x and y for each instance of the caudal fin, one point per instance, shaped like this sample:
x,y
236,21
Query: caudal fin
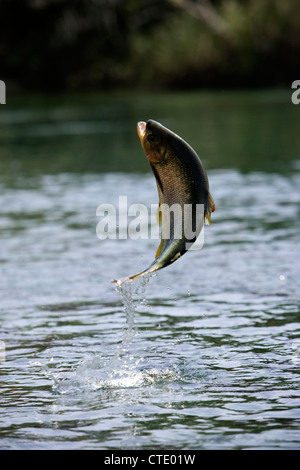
x,y
133,277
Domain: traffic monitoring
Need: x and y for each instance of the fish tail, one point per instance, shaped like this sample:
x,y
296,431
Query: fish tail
x,y
133,277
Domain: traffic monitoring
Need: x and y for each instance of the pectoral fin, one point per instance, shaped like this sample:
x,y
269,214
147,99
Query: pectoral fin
x,y
159,222
158,216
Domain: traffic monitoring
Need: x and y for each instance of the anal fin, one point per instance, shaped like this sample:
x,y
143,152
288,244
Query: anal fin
x,y
160,248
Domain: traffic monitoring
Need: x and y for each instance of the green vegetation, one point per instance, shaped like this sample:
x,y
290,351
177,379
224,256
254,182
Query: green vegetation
x,y
58,45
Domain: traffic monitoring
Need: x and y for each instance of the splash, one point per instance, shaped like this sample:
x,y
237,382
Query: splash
x,y
120,368
115,374
133,295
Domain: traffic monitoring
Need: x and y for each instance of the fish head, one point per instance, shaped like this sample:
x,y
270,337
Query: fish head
x,y
153,139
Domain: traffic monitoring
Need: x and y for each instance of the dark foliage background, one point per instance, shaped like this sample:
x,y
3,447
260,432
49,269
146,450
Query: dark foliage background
x,y
71,45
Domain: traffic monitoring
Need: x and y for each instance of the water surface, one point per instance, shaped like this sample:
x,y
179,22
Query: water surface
x,y
203,355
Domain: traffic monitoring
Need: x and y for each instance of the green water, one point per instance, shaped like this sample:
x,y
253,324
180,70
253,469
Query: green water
x,y
203,356
247,131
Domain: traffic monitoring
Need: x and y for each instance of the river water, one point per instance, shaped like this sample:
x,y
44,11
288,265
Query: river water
x,y
203,355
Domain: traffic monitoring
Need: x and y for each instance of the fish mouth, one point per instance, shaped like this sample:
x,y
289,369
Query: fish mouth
x,y
141,129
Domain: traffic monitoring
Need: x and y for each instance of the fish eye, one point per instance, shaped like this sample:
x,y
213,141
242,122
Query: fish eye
x,y
151,138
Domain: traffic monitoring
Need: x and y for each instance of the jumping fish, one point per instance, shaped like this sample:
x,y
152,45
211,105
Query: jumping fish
x,y
181,183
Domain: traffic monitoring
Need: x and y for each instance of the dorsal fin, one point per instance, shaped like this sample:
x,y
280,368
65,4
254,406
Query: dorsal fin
x,y
209,209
